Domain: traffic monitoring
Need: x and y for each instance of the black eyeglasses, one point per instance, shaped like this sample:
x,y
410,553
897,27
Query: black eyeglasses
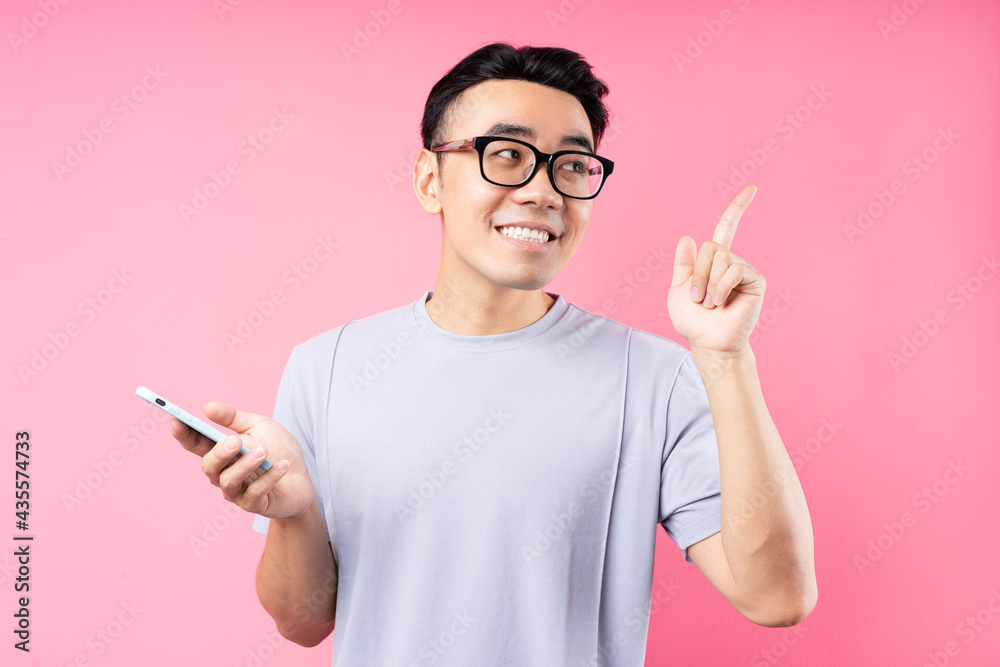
x,y
505,162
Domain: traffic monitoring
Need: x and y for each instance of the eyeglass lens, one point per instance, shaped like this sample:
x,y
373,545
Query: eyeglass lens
x,y
510,163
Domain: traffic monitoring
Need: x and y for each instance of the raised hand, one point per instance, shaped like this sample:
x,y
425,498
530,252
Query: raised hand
x,y
714,302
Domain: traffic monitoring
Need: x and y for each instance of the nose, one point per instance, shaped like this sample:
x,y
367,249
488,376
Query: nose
x,y
539,190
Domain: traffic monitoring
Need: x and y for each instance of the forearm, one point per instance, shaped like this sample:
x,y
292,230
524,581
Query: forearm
x,y
297,578
766,529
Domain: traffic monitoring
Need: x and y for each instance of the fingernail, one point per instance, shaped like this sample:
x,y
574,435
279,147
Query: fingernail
x,y
283,465
717,299
695,293
258,452
231,444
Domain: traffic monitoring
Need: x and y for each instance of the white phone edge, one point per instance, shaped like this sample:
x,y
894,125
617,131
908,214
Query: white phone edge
x,y
209,431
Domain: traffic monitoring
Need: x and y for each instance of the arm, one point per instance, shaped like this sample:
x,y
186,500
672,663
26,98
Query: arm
x,y
297,574
762,561
297,577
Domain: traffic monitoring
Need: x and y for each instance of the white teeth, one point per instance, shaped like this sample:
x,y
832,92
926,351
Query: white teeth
x,y
525,234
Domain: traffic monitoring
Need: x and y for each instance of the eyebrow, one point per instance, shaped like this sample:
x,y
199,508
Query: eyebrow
x,y
507,129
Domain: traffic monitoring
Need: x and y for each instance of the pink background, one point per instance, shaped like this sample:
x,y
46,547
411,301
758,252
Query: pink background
x,y
869,435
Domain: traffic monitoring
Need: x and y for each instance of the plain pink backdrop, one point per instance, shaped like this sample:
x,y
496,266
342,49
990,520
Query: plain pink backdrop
x,y
704,94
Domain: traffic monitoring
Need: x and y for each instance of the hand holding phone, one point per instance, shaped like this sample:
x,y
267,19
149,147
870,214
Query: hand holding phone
x,y
210,432
246,477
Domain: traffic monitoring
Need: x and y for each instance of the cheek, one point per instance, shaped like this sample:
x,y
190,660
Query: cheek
x,y
471,203
579,218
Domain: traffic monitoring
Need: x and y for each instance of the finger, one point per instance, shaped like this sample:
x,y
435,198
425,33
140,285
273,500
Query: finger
x,y
684,258
221,455
699,279
735,259
237,474
228,416
725,231
190,439
252,498
720,264
732,277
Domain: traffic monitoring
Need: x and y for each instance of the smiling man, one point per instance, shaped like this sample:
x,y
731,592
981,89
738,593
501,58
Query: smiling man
x,y
503,244
477,477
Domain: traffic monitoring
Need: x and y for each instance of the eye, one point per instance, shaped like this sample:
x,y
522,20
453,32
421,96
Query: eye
x,y
515,154
576,166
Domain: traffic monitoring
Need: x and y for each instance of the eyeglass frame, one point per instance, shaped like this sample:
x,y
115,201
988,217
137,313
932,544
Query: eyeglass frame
x,y
479,144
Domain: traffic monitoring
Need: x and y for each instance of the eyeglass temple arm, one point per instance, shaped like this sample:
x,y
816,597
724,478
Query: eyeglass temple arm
x,y
457,145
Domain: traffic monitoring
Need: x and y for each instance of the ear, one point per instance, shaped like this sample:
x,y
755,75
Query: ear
x,y
425,181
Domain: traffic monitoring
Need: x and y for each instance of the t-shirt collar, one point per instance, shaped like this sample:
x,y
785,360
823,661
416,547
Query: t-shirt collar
x,y
491,343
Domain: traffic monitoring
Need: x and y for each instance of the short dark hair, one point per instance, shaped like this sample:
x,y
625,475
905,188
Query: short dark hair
x,y
555,67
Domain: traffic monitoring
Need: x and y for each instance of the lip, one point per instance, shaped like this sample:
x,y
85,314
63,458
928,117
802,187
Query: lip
x,y
533,246
537,226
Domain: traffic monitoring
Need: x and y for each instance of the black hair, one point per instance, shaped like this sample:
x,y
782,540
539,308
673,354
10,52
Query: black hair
x,y
555,67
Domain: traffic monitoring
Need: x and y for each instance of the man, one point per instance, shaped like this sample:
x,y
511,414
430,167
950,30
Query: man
x,y
476,477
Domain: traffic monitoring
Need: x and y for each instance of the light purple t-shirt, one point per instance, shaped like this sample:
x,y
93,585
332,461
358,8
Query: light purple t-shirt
x,y
493,500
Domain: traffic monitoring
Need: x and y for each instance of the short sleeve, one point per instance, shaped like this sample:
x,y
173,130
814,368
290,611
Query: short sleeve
x,y
690,482
298,405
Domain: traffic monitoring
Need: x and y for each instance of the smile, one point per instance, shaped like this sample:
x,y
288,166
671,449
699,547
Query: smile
x,y
523,234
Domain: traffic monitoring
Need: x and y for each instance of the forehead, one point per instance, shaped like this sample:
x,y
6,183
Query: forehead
x,y
522,109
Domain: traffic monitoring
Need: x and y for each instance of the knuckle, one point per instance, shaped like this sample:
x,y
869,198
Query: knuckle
x,y
252,494
229,491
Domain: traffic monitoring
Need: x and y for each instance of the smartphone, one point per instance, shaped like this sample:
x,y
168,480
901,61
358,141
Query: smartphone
x,y
207,430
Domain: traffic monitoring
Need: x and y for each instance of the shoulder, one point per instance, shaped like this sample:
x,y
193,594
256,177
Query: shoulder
x,y
319,350
647,350
652,352
644,342
313,350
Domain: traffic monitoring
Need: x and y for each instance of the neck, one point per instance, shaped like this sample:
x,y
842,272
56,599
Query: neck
x,y
468,309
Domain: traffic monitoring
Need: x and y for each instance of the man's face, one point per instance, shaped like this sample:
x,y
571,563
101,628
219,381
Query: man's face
x,y
474,210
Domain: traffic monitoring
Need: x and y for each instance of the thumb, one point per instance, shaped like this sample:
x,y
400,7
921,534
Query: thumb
x,y
684,260
227,415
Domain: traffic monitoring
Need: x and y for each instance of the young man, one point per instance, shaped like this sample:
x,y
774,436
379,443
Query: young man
x,y
476,477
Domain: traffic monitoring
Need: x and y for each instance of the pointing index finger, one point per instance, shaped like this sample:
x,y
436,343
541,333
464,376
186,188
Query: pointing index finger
x,y
725,231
